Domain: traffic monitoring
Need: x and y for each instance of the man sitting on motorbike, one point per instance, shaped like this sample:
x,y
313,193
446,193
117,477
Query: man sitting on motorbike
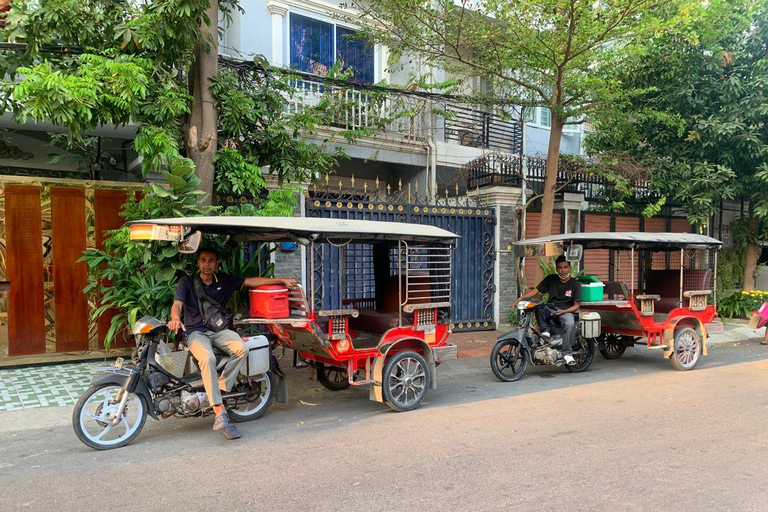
x,y
564,299
201,340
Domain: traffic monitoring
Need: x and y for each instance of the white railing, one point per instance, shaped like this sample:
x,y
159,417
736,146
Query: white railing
x,y
348,108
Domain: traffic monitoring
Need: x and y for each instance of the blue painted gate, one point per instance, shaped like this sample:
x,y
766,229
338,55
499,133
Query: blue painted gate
x,y
473,280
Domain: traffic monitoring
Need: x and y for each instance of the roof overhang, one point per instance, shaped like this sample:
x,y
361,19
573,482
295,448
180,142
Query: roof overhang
x,y
637,240
279,229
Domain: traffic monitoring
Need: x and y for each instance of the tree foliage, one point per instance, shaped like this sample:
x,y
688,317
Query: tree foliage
x,y
697,117
554,54
134,69
140,278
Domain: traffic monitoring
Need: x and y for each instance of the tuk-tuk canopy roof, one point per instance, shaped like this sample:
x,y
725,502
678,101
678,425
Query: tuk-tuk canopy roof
x,y
276,229
640,241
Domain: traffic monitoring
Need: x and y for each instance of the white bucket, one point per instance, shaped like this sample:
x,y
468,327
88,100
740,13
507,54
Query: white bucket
x,y
590,324
258,356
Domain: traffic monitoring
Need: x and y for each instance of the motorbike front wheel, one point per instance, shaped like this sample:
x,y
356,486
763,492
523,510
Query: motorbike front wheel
x,y
94,417
509,360
255,405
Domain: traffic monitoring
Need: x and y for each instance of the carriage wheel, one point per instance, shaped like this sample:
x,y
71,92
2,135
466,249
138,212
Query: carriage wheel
x,y
612,346
406,380
333,378
687,349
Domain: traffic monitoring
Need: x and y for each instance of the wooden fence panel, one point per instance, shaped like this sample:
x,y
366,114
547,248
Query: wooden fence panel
x,y
597,262
532,222
107,205
69,277
26,320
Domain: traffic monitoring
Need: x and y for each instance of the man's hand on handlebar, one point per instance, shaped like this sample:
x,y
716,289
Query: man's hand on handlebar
x,y
175,325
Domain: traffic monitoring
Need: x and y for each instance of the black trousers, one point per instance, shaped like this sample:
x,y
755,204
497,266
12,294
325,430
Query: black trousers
x,y
567,322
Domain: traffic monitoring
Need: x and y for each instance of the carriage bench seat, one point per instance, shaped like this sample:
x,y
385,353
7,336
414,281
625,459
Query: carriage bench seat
x,y
666,284
378,322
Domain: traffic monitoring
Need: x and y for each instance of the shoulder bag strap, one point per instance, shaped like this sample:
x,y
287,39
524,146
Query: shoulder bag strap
x,y
200,292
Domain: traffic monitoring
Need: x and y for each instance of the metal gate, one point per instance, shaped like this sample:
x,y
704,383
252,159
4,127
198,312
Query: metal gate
x,y
473,280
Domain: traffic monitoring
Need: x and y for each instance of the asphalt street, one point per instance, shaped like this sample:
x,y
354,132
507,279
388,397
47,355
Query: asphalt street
x,y
630,434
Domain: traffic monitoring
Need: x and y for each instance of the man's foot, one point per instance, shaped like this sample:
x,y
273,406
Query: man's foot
x,y
221,421
232,432
544,336
569,359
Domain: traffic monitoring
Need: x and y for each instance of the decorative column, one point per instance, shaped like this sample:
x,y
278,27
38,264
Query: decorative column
x,y
505,201
278,12
572,204
290,263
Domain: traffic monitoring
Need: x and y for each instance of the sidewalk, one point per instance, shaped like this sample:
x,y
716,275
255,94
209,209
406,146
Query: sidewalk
x,y
62,384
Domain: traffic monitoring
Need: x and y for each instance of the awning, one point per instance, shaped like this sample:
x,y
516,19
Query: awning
x,y
640,241
276,229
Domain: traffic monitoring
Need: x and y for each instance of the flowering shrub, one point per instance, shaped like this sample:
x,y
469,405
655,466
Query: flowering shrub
x,y
742,305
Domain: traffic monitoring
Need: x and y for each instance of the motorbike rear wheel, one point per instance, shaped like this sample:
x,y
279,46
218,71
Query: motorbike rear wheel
x,y
94,413
584,354
257,405
509,360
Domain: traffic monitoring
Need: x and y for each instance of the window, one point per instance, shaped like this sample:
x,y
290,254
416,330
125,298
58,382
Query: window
x,y
316,45
539,116
545,117
311,45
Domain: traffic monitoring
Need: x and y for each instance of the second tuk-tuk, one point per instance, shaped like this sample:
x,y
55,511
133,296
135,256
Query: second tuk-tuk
x,y
387,329
663,290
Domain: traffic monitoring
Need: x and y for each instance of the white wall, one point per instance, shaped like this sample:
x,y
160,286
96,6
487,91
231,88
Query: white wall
x,y
537,140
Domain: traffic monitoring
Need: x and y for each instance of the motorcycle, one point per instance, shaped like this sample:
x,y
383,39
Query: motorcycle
x,y
113,410
515,349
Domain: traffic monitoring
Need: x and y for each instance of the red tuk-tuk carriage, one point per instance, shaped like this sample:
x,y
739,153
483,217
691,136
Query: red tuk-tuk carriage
x,y
663,292
388,332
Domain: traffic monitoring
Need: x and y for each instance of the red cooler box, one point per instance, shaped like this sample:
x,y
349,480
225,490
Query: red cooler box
x,y
269,301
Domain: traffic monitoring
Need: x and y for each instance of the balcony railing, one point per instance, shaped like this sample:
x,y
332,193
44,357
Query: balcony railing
x,y
475,127
354,108
496,169
390,113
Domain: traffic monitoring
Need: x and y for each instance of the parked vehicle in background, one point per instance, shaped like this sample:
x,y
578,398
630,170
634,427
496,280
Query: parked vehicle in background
x,y
666,309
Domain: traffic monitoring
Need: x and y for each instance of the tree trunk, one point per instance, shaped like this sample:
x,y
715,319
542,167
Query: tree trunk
x,y
204,118
550,183
752,254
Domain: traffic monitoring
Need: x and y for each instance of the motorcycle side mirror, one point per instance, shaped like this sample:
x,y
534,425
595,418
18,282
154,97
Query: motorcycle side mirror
x,y
190,243
573,253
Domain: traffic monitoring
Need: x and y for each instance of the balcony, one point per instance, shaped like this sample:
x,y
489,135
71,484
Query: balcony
x,y
507,170
390,114
363,110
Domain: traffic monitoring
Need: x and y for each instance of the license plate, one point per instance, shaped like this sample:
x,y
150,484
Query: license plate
x,y
119,362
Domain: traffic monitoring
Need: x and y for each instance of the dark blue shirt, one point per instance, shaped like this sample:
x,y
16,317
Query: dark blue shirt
x,y
221,289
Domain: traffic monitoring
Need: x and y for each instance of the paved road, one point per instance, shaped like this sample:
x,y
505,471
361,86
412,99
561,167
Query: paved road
x,y
631,434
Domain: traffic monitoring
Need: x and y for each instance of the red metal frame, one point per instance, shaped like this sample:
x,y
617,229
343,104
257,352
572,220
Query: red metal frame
x,y
651,329
337,356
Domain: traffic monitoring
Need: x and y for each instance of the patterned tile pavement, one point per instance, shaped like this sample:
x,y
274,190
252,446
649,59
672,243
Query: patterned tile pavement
x,y
45,386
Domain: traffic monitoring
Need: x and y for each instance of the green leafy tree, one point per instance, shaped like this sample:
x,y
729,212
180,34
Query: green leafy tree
x,y
538,53
140,278
697,118
150,63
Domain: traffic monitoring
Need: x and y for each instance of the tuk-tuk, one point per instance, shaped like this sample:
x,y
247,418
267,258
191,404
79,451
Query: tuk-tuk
x,y
663,290
389,333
